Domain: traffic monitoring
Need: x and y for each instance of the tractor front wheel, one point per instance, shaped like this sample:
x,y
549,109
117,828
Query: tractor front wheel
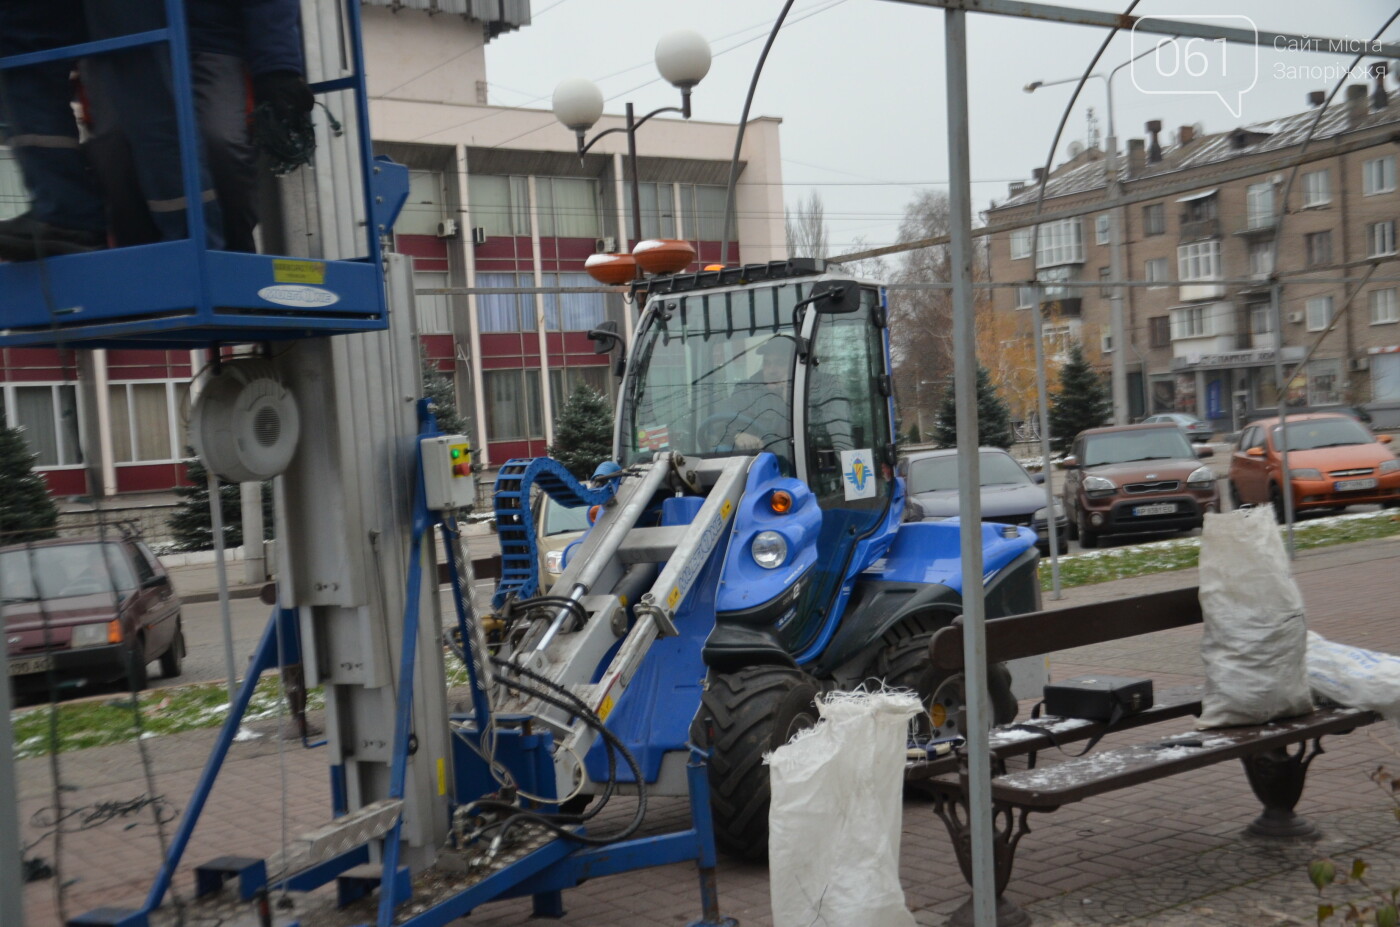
x,y
744,715
906,665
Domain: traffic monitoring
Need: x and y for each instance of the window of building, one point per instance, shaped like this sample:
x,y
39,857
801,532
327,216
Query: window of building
x,y
506,312
513,406
48,417
1378,175
572,312
658,210
1104,288
1103,229
1380,238
1106,342
1385,377
1154,219
1261,319
1025,297
499,204
702,212
1199,260
1319,248
1317,188
1190,322
1261,258
569,207
1053,275
13,198
434,311
1200,208
1020,244
1061,242
1385,306
1324,382
563,381
1156,272
1319,313
1057,338
1159,331
146,421
425,206
1259,205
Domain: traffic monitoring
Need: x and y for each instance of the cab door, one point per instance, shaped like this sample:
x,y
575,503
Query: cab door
x,y
846,445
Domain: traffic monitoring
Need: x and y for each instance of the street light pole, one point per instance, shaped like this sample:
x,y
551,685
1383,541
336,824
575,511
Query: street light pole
x,y
683,58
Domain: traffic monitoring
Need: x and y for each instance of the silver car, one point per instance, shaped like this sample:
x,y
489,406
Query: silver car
x,y
1196,429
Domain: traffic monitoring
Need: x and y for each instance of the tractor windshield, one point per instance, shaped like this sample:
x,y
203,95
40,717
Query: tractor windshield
x,y
712,376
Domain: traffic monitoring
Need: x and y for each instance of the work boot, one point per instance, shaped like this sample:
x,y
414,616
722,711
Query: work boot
x,y
25,238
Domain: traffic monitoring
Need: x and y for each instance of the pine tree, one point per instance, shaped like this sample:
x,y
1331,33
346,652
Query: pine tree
x,y
993,417
583,435
1081,402
190,527
914,437
27,511
437,386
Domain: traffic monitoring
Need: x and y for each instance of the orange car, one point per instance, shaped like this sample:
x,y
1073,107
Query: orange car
x,y
1333,459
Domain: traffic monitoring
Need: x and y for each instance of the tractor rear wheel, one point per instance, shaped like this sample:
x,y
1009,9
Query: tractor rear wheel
x,y
744,715
905,664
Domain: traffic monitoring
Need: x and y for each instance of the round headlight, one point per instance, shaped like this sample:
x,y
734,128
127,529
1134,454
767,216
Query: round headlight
x,y
769,549
1201,477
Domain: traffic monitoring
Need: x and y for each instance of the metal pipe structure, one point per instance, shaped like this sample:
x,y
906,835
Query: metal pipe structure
x,y
11,867
979,783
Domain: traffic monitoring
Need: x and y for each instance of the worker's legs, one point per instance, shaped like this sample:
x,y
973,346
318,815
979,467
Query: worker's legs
x,y
221,100
66,208
138,85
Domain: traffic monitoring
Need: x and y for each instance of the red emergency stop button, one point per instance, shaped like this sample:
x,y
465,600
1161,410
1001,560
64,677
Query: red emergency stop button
x,y
461,469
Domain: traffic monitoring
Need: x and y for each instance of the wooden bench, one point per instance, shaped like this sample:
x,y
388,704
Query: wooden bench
x,y
1275,756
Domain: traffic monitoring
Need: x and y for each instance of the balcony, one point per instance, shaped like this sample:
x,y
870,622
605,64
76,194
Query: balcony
x,y
1062,307
1258,227
1198,229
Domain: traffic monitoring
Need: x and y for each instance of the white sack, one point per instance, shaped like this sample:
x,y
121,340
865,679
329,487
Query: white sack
x,y
1254,640
1354,677
836,815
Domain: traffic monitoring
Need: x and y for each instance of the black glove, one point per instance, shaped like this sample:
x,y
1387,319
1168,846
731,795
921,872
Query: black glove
x,y
284,91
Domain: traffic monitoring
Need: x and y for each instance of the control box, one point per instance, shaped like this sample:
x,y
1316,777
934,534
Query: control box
x,y
447,472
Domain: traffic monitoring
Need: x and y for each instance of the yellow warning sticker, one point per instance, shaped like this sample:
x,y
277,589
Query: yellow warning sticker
x,y
442,776
673,598
725,509
285,271
605,709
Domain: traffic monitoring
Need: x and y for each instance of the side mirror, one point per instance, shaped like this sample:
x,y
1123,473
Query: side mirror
x,y
605,337
1038,477
1205,450
1384,439
155,582
836,296
1070,463
1255,452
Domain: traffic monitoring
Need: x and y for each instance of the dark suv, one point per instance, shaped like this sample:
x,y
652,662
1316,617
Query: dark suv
x,y
87,611
1136,478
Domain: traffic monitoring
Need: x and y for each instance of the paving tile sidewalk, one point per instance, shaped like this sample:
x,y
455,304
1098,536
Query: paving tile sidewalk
x,y
1167,853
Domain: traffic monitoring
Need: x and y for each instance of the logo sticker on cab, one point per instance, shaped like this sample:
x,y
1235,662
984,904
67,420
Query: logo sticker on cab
x,y
296,296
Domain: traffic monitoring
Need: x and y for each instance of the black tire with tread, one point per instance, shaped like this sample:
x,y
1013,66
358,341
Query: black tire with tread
x,y
1088,537
137,678
744,715
171,661
905,664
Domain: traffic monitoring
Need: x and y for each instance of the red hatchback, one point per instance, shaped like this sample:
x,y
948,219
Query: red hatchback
x,y
1333,462
82,611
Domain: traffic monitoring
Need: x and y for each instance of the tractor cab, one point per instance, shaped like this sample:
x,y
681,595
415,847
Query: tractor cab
x,y
787,360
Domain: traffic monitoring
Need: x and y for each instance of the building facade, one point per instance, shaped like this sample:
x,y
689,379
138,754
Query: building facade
x,y
1204,233
499,198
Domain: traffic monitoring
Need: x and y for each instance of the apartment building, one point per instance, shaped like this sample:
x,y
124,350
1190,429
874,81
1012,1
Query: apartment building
x,y
1203,217
499,198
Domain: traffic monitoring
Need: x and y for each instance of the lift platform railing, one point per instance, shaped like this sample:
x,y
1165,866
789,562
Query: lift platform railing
x,y
181,294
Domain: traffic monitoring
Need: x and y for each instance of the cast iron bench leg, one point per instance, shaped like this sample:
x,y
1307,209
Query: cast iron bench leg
x,y
1008,827
1277,778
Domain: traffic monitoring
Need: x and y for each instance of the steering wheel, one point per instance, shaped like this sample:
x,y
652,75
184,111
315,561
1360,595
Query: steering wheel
x,y
712,430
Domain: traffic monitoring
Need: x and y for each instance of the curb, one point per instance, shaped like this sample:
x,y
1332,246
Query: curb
x,y
212,595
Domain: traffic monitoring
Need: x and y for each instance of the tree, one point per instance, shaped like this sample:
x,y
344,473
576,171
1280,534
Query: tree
x,y
27,511
190,525
806,228
583,435
993,418
437,386
1082,400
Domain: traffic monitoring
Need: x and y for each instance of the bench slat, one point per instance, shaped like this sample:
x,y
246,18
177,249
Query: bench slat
x,y
1077,779
1060,629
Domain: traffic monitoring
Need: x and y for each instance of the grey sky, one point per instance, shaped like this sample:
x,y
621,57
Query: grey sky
x,y
859,84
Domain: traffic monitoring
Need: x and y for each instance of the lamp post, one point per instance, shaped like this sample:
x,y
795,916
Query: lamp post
x,y
1117,242
682,57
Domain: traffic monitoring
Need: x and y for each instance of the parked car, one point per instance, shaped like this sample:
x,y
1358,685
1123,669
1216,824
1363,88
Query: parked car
x,y
1333,460
556,527
1195,428
89,611
1010,495
1130,479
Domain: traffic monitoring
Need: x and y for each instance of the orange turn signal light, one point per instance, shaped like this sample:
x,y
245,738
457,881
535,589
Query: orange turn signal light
x,y
593,513
714,267
781,501
114,632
